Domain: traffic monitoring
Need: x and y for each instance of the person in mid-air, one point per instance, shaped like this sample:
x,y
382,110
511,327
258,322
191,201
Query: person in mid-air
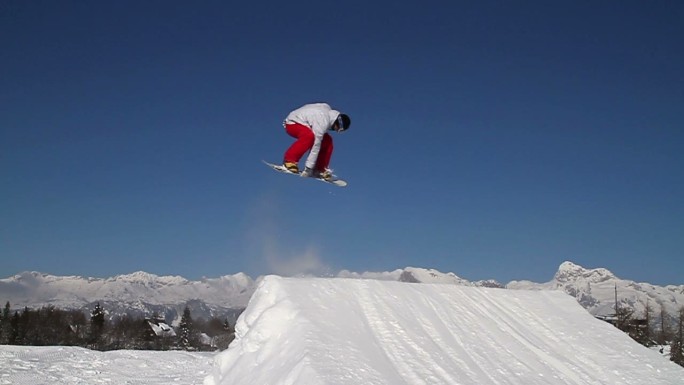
x,y
310,125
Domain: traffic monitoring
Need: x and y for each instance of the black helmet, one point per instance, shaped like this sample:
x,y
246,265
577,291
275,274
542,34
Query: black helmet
x,y
343,122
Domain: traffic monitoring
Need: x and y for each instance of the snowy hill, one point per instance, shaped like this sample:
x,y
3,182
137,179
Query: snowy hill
x,y
594,289
351,331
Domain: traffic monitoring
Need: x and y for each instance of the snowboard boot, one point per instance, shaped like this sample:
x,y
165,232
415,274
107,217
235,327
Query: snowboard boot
x,y
291,167
325,175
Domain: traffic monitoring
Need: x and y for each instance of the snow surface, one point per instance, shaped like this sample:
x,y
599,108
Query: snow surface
x,y
27,365
350,331
337,331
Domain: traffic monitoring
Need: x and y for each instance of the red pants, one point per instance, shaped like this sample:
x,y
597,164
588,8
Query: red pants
x,y
305,140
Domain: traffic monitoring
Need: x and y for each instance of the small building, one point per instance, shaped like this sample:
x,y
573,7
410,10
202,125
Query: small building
x,y
160,328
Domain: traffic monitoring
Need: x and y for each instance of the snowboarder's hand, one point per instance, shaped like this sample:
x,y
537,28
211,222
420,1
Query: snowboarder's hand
x,y
307,172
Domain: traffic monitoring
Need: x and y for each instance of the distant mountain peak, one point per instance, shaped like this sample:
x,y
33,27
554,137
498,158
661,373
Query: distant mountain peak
x,y
570,272
144,278
595,290
422,275
136,276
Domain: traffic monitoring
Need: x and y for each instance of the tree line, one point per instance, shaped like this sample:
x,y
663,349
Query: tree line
x,y
51,326
650,330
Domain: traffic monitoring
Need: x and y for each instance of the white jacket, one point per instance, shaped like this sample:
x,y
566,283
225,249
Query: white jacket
x,y
319,117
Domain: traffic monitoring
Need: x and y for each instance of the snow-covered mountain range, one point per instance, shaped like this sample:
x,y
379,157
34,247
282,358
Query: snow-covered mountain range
x,y
145,294
138,294
595,290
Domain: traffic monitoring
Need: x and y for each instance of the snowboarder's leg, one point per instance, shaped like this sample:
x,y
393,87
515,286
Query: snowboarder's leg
x,y
326,152
305,140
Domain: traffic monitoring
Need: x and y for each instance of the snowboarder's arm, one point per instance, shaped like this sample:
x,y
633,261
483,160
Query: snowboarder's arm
x,y
315,149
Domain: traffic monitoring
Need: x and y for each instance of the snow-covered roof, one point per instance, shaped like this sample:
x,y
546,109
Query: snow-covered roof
x,y
160,328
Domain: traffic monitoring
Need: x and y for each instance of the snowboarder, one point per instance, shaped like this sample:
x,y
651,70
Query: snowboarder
x,y
310,125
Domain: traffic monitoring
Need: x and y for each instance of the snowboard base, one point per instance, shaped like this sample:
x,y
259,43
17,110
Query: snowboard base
x,y
280,168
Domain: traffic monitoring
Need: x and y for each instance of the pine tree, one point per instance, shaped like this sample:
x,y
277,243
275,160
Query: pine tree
x,y
645,334
663,334
97,317
677,347
97,323
223,340
5,324
24,327
14,330
186,338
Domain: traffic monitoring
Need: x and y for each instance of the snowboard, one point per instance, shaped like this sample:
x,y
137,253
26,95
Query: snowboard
x,y
334,181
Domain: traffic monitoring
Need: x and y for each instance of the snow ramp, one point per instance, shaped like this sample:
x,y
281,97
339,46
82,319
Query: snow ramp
x,y
349,331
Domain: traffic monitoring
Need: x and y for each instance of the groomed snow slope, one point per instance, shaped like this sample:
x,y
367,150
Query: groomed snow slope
x,y
346,331
66,365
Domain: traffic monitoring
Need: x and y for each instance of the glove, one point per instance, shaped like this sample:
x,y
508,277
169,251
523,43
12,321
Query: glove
x,y
307,172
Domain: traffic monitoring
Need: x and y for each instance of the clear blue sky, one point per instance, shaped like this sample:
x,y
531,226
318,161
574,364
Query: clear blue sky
x,y
493,139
